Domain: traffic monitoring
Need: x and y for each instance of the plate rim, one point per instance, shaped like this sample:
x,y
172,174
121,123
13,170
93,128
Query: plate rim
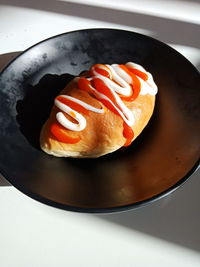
x,y
101,29
121,208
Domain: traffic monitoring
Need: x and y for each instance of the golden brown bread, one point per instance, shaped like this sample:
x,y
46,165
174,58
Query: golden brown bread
x,y
103,133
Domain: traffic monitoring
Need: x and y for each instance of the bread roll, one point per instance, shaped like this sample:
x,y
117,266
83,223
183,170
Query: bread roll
x,y
99,112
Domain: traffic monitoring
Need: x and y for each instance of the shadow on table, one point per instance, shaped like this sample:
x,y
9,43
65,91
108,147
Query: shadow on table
x,y
175,218
194,1
3,181
4,60
164,29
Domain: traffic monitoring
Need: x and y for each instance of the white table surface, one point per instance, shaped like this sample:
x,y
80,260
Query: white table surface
x,y
165,233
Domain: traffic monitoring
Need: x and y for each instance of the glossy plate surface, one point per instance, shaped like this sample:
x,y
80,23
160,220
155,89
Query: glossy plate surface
x,y
162,157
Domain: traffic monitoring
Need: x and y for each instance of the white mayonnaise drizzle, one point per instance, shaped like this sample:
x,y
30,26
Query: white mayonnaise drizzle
x,y
118,83
74,114
124,112
147,87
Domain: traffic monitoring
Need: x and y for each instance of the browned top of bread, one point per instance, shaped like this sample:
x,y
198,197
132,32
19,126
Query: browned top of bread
x,y
103,133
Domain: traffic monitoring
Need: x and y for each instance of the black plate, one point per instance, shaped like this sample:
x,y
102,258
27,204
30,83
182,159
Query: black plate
x,y
161,158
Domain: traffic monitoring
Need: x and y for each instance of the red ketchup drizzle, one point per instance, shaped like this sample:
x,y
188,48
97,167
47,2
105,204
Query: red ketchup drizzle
x,y
128,134
101,87
139,73
83,84
61,135
59,131
135,87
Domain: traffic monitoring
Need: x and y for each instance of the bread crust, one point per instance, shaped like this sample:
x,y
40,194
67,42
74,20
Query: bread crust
x,y
103,133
